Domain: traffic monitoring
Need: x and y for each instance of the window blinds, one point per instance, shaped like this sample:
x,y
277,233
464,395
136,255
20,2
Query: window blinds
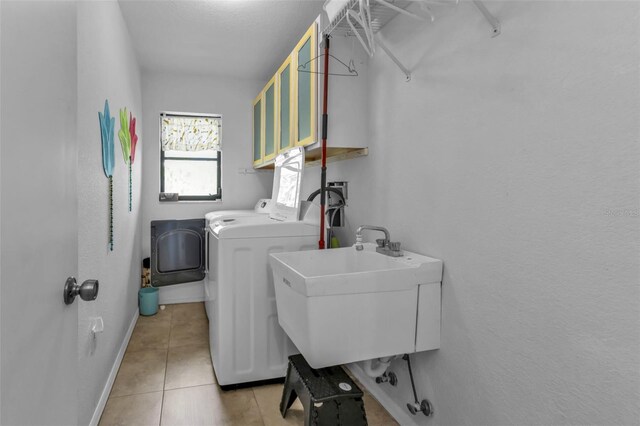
x,y
188,133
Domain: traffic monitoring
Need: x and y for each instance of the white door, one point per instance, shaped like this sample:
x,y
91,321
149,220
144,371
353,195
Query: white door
x,y
38,212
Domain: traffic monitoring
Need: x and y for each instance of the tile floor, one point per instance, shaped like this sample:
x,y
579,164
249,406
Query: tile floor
x,y
166,378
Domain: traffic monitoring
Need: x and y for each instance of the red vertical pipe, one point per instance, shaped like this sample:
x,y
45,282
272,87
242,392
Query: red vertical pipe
x,y
323,176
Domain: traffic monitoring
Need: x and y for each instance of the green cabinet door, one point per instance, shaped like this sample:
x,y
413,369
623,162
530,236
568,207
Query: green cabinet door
x,y
305,58
257,130
284,101
270,120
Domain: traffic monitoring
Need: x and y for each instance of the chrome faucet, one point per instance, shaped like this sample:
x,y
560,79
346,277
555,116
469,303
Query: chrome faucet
x,y
385,246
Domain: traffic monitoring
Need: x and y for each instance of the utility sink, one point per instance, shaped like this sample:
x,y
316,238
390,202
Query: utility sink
x,y
347,271
343,305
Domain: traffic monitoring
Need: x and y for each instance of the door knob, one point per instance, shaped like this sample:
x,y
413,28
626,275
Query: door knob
x,y
88,290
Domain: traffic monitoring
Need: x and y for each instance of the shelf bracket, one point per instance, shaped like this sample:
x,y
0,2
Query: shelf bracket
x,y
364,20
493,21
395,60
407,13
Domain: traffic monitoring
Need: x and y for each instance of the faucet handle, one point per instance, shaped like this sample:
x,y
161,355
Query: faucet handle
x,y
382,242
394,246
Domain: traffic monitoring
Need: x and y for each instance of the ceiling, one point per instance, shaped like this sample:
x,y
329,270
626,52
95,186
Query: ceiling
x,y
245,39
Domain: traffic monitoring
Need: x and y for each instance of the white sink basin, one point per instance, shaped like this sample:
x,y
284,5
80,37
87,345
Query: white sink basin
x,y
343,305
347,271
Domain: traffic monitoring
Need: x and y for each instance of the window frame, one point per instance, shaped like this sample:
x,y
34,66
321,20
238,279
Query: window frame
x,y
218,159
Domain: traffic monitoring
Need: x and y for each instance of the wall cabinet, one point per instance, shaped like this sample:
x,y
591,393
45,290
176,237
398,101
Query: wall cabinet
x,y
285,106
288,111
305,63
258,131
270,126
348,102
265,125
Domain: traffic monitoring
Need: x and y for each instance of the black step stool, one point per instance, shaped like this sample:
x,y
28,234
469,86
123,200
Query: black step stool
x,y
328,395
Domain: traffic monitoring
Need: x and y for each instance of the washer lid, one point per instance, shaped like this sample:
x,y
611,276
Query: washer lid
x,y
261,227
263,206
222,214
287,184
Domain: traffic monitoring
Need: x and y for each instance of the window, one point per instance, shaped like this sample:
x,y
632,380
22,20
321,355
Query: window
x,y
190,157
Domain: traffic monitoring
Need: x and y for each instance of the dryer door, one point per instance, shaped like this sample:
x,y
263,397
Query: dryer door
x,y
177,251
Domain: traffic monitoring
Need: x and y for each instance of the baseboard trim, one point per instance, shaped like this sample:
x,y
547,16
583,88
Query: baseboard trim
x,y
176,300
397,412
114,372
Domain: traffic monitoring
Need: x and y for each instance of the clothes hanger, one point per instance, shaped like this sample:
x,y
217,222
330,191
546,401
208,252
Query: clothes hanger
x,y
350,72
363,18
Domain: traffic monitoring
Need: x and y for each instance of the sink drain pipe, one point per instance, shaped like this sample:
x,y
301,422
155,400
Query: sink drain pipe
x,y
377,369
381,367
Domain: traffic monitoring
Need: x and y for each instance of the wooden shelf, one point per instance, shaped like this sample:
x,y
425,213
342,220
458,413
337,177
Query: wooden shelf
x,y
313,157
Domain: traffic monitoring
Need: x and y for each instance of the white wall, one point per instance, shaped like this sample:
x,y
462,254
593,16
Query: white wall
x,y
107,68
198,94
515,160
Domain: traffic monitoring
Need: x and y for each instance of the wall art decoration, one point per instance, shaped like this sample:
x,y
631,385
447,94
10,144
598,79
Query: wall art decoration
x,y
107,124
134,141
125,141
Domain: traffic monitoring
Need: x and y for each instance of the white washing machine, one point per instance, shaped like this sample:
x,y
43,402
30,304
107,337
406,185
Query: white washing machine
x,y
246,341
262,208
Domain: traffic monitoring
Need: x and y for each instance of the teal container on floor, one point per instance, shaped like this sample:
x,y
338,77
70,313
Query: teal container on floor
x,y
148,301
